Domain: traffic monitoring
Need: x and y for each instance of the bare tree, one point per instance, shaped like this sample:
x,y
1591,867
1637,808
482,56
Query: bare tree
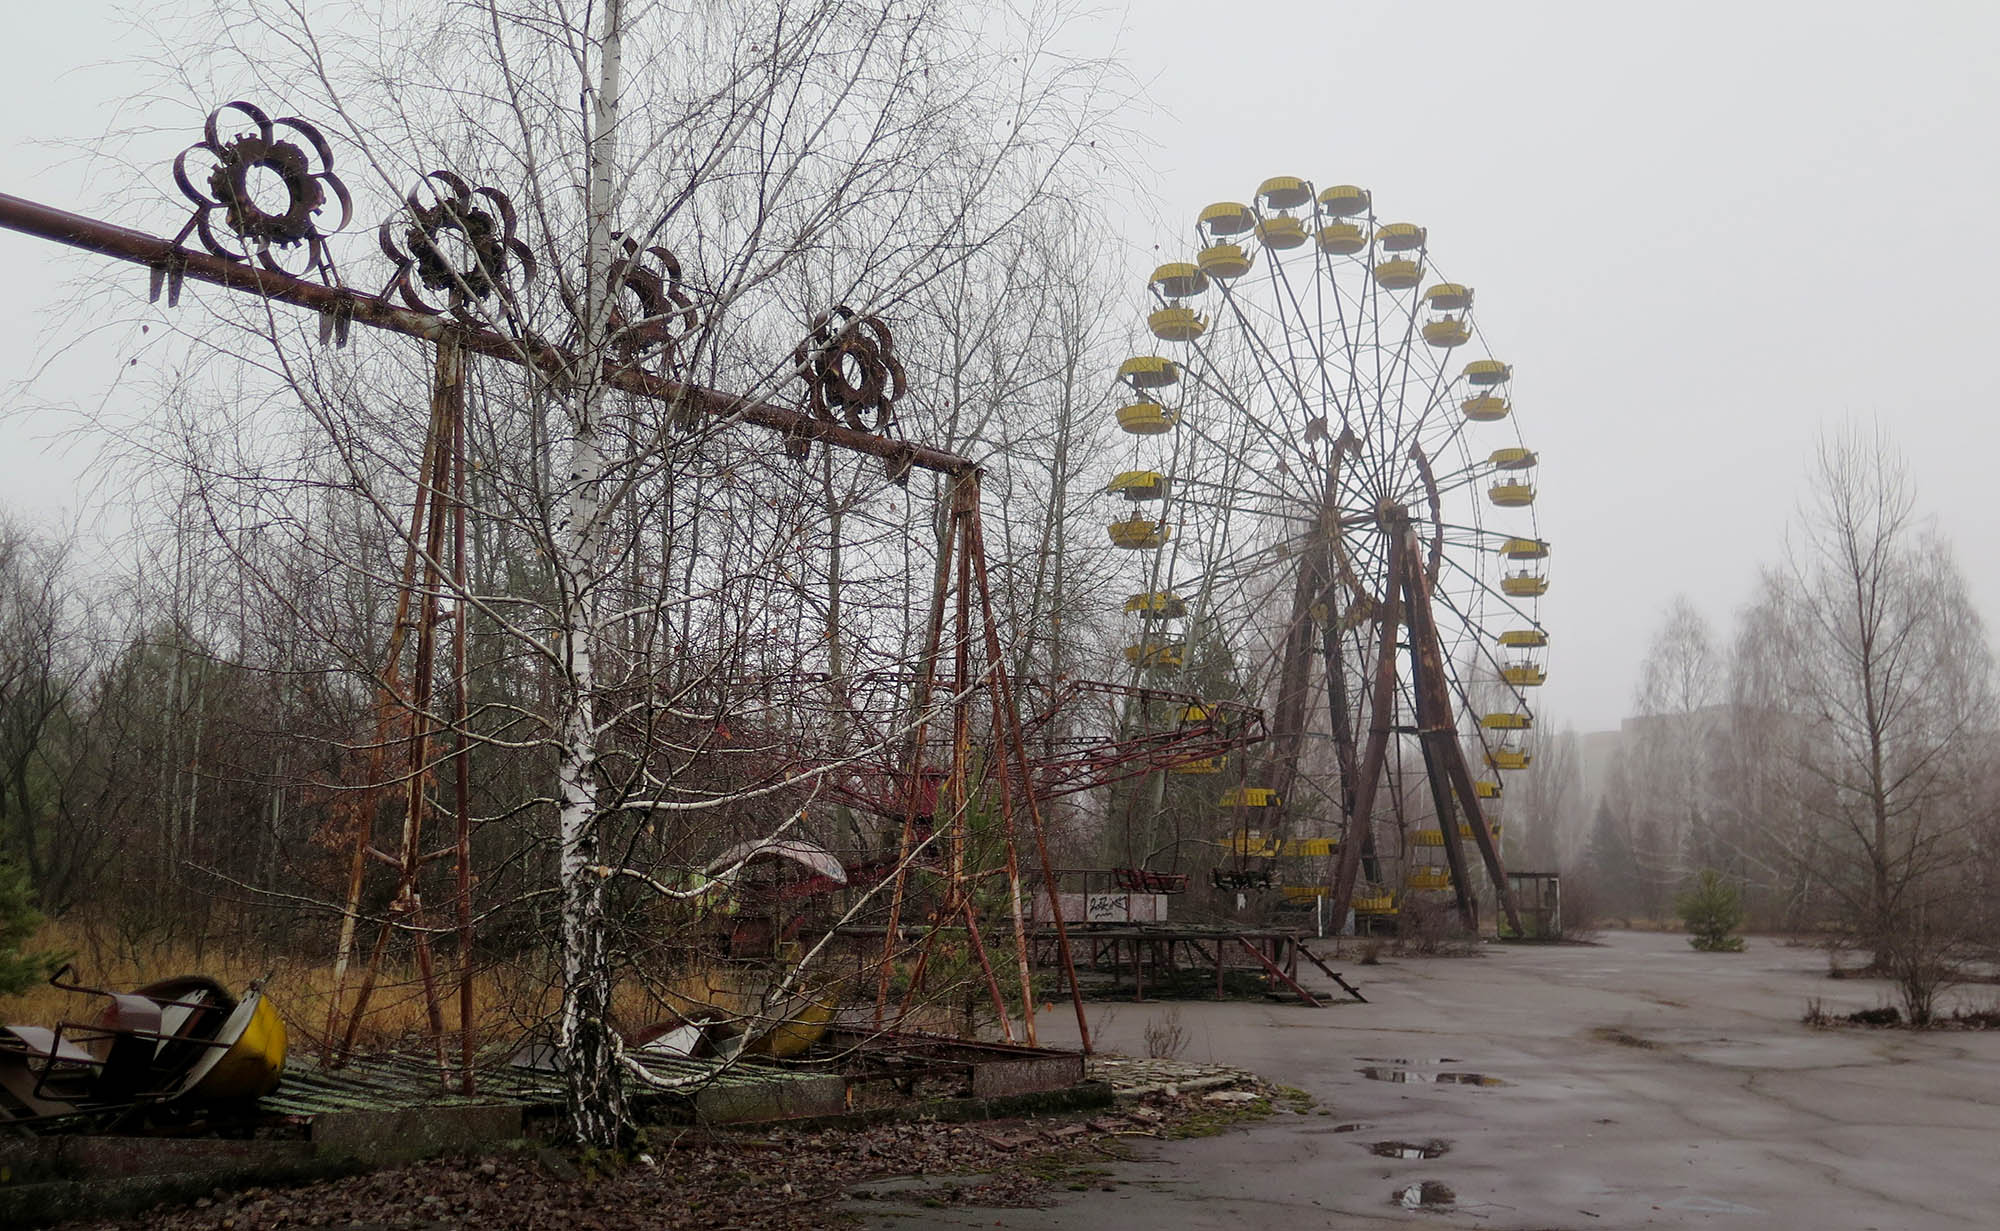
x,y
1676,724
1868,660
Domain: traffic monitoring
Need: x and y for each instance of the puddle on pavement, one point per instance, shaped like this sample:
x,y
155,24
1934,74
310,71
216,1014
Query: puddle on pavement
x,y
1349,1128
1413,1077
1433,1148
1429,1195
1403,1062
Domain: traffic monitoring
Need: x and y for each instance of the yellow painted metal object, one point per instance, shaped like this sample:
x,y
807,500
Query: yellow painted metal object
x,y
1486,788
1524,638
1224,261
1448,297
1156,605
254,1061
1139,533
1154,654
1507,758
1227,218
1512,459
1508,721
1284,192
1253,844
1178,280
1524,585
1302,893
1149,371
1465,830
1342,239
1485,373
1250,844
1140,485
1399,237
1147,418
802,1026
1201,765
1511,495
1281,232
1176,324
1428,878
1446,334
1523,675
1343,201
1375,904
1398,273
1525,549
1426,837
1195,713
1249,797
1485,407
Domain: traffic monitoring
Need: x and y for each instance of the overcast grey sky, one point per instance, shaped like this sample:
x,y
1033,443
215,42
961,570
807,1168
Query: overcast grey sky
x,y
1699,231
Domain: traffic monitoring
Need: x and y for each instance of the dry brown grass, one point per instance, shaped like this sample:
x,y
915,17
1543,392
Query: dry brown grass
x,y
510,999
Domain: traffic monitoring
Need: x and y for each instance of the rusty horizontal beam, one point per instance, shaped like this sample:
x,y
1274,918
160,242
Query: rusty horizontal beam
x,y
122,243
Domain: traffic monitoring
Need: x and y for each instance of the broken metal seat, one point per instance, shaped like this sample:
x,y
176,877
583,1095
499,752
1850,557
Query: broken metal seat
x,y
158,1043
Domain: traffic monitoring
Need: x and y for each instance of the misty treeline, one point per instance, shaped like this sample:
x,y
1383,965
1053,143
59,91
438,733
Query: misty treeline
x,y
670,617
1836,753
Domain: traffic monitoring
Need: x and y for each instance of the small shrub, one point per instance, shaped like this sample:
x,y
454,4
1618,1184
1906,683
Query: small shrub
x,y
1165,1036
1816,1014
1371,953
1711,909
19,921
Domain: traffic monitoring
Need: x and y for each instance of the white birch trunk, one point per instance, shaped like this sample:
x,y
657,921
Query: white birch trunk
x,y
590,1048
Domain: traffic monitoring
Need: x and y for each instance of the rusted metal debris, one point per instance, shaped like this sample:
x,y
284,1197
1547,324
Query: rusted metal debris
x,y
179,1039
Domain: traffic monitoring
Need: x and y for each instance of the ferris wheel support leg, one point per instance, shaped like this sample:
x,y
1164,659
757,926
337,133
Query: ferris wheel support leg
x,y
1435,741
1288,717
1381,721
1434,693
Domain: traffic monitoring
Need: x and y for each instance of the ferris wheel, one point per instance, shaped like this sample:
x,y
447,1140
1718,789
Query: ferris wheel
x,y
1327,492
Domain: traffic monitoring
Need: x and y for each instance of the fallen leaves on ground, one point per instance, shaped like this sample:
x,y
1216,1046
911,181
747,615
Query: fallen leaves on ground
x,y
768,1179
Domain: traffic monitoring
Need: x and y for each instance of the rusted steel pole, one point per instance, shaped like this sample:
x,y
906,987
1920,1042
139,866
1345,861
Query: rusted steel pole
x,y
461,715
1011,739
173,261
914,779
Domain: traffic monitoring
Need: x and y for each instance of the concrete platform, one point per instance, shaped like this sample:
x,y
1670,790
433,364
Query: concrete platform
x,y
1636,1084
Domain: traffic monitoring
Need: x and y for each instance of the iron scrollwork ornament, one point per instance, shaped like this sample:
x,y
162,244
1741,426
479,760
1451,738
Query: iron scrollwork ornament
x,y
650,312
457,251
238,215
849,365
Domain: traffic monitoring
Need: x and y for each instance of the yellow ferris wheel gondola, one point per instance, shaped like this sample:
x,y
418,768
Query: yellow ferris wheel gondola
x,y
1138,485
1144,372
1138,533
1396,270
1156,605
1446,322
1147,419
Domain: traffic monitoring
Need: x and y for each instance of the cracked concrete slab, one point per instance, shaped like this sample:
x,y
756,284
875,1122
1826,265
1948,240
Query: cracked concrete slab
x,y
1647,1086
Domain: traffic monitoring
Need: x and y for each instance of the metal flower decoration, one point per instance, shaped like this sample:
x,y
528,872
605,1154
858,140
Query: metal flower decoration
x,y
650,312
849,364
260,194
456,251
